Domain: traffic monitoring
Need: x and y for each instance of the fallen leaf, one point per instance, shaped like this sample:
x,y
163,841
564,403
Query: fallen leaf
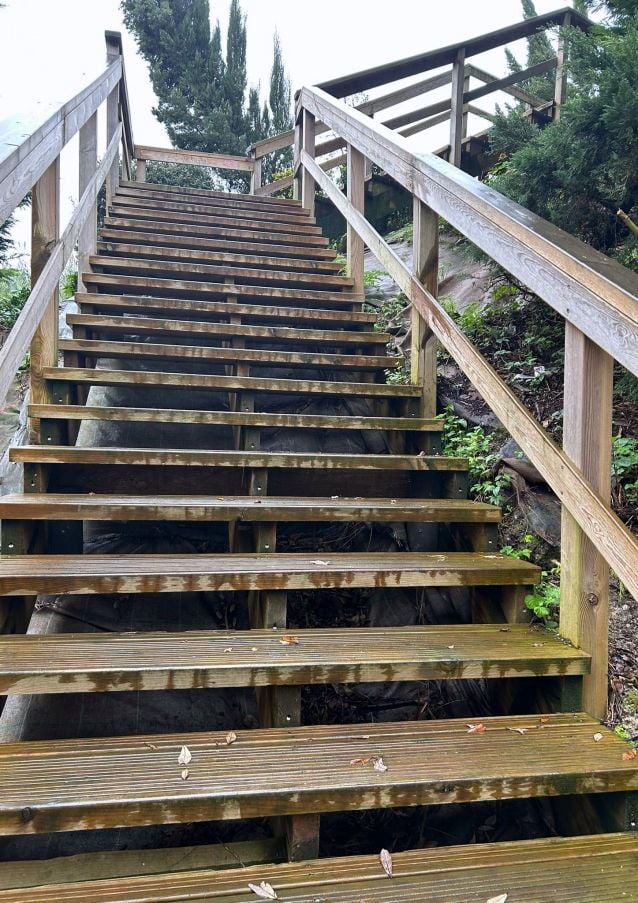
x,y
321,561
598,738
228,649
184,756
476,728
538,645
500,899
505,630
630,754
264,890
231,736
360,761
150,745
518,730
185,774
386,861
379,764
289,640
543,719
450,647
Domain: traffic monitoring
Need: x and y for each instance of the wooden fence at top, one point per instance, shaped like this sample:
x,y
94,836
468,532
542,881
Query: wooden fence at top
x,y
596,296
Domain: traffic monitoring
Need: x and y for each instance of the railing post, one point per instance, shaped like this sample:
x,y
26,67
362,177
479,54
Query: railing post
x,y
560,83
587,429
307,182
356,195
45,232
456,114
87,166
255,176
296,171
112,118
140,171
425,265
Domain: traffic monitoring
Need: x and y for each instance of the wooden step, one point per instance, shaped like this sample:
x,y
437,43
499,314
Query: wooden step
x,y
289,215
97,377
223,311
260,226
212,273
198,255
120,782
600,868
232,197
34,574
213,354
175,457
85,663
138,325
211,245
233,418
188,288
229,230
67,506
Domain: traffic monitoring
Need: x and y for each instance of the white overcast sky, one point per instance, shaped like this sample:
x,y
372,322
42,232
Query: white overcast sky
x,y
50,49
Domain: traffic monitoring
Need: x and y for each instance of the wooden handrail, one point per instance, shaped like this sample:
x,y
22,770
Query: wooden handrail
x,y
446,56
193,158
596,296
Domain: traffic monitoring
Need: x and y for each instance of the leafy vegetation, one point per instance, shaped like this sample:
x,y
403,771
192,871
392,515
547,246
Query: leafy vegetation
x,y
15,286
477,445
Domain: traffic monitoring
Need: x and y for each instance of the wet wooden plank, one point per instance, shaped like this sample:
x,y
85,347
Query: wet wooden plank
x,y
30,574
110,782
68,506
154,192
295,216
265,226
210,245
100,662
229,229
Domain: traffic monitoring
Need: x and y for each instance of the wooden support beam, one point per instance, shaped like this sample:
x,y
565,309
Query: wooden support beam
x,y
255,178
45,232
456,117
140,171
296,187
560,81
425,265
356,196
113,51
87,166
587,428
307,182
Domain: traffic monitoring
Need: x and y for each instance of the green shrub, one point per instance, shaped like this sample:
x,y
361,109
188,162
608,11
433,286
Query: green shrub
x,y
15,286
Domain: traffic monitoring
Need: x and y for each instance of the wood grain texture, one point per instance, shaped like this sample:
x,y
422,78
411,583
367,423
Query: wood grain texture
x,y
235,247
100,662
28,575
228,229
183,191
193,158
294,216
76,784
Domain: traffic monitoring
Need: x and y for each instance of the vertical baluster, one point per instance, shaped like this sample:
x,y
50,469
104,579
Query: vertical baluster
x,y
112,118
425,264
356,196
45,232
296,185
456,115
255,178
560,83
88,164
140,171
307,182
587,428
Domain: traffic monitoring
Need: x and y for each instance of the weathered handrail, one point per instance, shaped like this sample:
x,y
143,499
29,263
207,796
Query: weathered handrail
x,y
596,296
34,165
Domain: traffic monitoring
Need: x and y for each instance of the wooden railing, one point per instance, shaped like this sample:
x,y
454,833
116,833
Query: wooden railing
x,y
33,165
595,295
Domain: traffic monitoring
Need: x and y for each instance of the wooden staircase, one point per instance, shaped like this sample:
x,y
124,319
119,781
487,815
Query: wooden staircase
x,y
250,390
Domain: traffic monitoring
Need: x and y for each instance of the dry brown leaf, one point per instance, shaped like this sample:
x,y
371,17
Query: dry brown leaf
x,y
630,754
150,745
379,764
598,738
386,861
289,640
264,890
500,899
360,761
231,736
543,719
185,774
184,756
518,730
476,728
505,629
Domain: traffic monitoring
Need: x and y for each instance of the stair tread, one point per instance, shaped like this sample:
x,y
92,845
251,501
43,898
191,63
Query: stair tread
x,y
211,658
601,868
221,218
216,354
202,327
341,300
30,574
74,506
110,782
203,196
125,265
223,195
97,376
223,309
242,459
122,249
232,418
292,215
306,253
228,228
